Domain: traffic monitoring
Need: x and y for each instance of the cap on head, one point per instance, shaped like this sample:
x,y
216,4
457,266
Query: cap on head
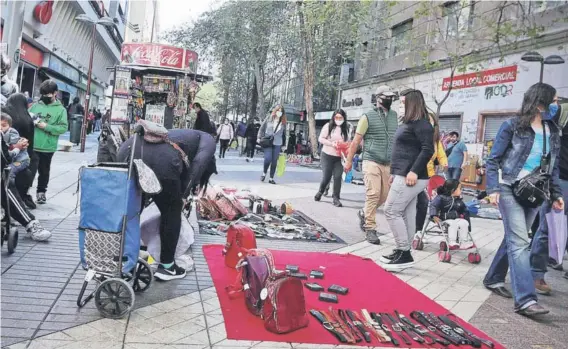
x,y
385,90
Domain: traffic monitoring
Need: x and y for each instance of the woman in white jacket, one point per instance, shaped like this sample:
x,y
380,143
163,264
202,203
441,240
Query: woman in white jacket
x,y
226,133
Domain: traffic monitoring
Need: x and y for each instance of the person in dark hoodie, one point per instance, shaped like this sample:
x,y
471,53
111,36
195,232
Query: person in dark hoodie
x,y
202,121
177,182
251,134
75,109
17,108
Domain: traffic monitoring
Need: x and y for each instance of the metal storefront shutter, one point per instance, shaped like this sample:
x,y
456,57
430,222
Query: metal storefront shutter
x,y
492,125
450,123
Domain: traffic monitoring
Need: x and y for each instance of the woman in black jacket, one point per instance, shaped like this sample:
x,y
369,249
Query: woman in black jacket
x,y
251,134
414,147
17,108
177,182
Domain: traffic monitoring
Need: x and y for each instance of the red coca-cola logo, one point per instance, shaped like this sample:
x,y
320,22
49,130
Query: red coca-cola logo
x,y
157,55
43,11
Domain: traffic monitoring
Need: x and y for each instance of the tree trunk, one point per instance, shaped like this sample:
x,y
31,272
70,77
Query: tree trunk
x,y
307,45
259,90
253,99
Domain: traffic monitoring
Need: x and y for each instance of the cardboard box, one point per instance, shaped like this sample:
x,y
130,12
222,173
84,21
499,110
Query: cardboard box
x,y
469,173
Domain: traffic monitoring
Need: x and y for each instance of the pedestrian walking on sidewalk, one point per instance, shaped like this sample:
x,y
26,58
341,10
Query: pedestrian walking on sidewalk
x,y
376,129
17,108
177,183
414,146
241,139
332,134
226,134
51,122
18,211
539,249
272,136
251,135
457,156
524,146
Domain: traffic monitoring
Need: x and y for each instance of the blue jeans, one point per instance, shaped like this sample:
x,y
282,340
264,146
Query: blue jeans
x,y
454,173
271,159
514,251
539,249
17,167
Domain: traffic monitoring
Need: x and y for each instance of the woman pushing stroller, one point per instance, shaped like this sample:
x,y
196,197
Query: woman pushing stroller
x,y
449,208
178,180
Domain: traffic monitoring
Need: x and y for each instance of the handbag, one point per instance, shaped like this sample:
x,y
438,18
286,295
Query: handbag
x,y
267,141
533,190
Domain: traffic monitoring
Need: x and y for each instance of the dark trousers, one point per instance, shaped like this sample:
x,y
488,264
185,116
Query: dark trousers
x,y
421,210
24,181
224,145
454,173
41,163
271,159
251,148
331,166
169,202
18,210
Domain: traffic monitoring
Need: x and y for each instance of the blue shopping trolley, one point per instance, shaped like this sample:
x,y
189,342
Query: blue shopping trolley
x,y
109,237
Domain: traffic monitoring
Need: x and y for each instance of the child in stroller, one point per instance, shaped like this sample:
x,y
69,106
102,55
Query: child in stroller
x,y
448,208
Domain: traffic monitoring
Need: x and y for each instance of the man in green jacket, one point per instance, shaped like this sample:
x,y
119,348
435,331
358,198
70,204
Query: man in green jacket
x,y
50,118
376,129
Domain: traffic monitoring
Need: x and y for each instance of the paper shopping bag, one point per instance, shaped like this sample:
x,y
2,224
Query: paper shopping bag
x,y
281,165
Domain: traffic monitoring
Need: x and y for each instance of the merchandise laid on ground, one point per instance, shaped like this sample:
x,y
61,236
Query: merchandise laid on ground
x,y
219,207
326,298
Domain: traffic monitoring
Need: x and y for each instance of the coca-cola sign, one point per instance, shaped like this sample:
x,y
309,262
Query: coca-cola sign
x,y
158,55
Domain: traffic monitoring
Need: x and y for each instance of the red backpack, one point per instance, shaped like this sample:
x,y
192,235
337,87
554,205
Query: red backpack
x,y
254,271
240,239
284,307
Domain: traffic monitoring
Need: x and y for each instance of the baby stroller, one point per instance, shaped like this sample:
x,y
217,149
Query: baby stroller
x,y
433,228
9,233
109,237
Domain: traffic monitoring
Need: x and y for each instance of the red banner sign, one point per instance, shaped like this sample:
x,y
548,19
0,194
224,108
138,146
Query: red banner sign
x,y
482,78
31,54
159,56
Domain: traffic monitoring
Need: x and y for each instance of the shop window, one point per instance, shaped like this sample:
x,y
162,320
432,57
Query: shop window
x,y
457,19
401,35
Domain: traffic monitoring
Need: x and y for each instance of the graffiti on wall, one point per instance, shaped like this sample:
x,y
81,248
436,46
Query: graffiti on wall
x,y
498,91
469,131
464,97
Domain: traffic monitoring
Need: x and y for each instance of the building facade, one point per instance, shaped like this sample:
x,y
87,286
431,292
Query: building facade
x,y
143,21
54,45
481,98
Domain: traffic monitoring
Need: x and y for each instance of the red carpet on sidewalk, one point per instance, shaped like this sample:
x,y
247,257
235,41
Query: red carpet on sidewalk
x,y
370,287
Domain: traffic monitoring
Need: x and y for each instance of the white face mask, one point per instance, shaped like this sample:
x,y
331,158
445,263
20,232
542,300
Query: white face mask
x,y
339,122
279,114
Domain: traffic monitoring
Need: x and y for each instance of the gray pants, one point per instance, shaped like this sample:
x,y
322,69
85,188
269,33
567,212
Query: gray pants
x,y
400,210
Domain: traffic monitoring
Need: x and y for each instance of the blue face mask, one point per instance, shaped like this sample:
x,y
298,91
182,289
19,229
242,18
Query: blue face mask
x,y
553,109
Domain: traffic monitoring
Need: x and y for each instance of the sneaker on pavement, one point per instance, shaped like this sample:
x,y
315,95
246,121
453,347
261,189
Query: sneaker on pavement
x,y
533,310
390,257
542,287
29,202
337,203
372,238
401,260
317,197
171,273
36,232
361,216
41,199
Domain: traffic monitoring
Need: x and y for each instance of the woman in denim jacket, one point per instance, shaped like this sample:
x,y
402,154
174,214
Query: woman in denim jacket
x,y
516,153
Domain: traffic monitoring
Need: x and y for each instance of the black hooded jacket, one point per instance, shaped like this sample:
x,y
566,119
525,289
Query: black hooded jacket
x,y
17,108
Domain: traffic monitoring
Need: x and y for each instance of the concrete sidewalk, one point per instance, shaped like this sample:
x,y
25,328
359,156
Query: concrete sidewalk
x,y
40,282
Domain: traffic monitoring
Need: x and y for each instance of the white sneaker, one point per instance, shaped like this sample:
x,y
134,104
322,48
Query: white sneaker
x,y
36,232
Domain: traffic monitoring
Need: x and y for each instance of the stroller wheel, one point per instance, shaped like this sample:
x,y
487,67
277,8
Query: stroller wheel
x,y
12,239
444,256
114,298
143,276
443,246
418,244
474,258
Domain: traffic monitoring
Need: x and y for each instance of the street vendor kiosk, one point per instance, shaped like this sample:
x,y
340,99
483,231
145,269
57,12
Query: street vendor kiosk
x,y
155,82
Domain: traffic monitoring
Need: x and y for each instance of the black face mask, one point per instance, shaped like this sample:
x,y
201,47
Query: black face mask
x,y
386,102
46,99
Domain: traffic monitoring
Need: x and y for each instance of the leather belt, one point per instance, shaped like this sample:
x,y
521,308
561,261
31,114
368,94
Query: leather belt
x,y
396,328
433,326
320,316
336,323
465,333
337,320
381,333
352,329
423,331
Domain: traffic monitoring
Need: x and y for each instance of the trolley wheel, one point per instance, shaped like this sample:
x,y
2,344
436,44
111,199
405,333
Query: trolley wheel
x,y
443,246
444,256
143,276
114,298
418,244
474,258
12,240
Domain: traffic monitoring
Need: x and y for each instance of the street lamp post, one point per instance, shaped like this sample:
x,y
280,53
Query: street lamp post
x,y
533,56
107,22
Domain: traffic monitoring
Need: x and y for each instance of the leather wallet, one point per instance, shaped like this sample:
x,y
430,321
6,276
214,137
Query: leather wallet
x,y
313,286
316,274
299,276
338,289
292,268
328,297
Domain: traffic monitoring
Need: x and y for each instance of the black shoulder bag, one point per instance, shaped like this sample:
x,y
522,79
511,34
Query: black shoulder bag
x,y
267,141
533,190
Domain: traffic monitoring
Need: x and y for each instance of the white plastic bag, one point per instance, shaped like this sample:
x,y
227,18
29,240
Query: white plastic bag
x,y
150,235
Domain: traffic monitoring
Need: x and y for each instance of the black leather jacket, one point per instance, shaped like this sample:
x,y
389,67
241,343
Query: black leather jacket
x,y
448,207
